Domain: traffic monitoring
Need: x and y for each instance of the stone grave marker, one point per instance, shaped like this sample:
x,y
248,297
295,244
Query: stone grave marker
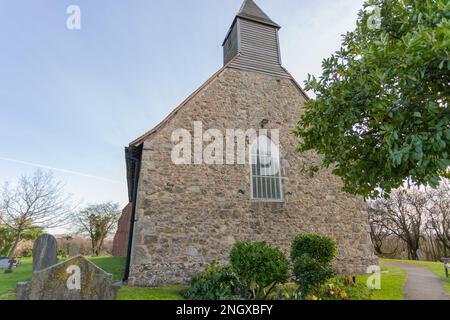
x,y
4,262
74,279
44,252
74,250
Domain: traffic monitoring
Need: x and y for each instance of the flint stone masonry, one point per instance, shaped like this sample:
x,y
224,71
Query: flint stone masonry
x,y
45,251
190,215
52,283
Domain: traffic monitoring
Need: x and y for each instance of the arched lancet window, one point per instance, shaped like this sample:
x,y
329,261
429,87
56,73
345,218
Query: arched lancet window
x,y
266,181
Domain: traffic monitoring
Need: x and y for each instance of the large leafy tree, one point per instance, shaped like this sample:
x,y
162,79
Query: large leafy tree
x,y
381,116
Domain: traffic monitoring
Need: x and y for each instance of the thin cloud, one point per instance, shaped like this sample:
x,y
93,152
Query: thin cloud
x,y
80,174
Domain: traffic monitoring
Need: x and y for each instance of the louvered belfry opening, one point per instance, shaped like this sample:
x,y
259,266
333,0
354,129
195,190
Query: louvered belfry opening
x,y
252,42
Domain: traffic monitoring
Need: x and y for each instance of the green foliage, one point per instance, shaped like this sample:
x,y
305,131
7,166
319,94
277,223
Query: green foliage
x,y
343,288
217,283
320,248
32,233
97,222
312,256
310,274
62,254
259,267
6,240
8,235
381,114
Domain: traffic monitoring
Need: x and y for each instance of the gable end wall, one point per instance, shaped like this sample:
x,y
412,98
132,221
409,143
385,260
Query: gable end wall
x,y
189,216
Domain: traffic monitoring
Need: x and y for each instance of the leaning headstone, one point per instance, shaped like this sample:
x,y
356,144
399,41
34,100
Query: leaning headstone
x,y
44,252
74,279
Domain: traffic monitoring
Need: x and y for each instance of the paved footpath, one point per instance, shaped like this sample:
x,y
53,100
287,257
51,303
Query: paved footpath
x,y
422,284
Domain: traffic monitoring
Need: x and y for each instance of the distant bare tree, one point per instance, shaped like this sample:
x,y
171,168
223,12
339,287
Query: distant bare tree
x,y
37,201
404,215
97,222
378,233
439,214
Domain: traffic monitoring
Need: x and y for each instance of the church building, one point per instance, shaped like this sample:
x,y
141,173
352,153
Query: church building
x,y
184,215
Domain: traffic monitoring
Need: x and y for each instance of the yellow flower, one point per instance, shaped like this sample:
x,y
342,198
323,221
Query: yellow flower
x,y
314,298
343,295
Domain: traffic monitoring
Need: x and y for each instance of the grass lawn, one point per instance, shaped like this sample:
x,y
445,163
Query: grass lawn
x,y
435,267
112,265
8,281
392,283
166,293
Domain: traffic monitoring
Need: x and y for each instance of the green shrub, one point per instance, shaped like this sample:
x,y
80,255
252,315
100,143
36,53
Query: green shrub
x,y
322,249
259,267
310,274
311,257
216,283
62,254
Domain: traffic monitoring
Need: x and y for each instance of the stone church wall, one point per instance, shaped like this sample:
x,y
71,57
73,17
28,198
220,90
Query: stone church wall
x,y
190,215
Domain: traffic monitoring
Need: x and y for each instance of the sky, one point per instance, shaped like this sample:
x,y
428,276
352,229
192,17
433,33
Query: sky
x,y
71,100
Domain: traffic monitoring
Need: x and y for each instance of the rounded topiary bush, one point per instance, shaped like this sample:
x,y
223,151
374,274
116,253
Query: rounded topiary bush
x,y
216,283
259,267
322,249
310,273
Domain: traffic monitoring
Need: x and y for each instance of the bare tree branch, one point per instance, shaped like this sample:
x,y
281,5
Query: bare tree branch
x,y
37,201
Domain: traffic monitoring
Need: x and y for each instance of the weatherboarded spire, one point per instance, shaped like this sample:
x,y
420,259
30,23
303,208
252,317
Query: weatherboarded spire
x,y
251,11
252,42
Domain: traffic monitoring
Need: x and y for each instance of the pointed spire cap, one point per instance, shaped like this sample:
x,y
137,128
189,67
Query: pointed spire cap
x,y
251,11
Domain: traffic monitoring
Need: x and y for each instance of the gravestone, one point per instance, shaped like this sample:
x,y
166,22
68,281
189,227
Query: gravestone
x,y
4,263
74,250
44,252
74,279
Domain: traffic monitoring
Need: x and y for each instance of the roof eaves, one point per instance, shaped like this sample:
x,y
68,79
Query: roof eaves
x,y
302,91
252,11
259,20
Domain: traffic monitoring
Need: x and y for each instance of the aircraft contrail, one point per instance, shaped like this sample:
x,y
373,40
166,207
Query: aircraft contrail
x,y
37,165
